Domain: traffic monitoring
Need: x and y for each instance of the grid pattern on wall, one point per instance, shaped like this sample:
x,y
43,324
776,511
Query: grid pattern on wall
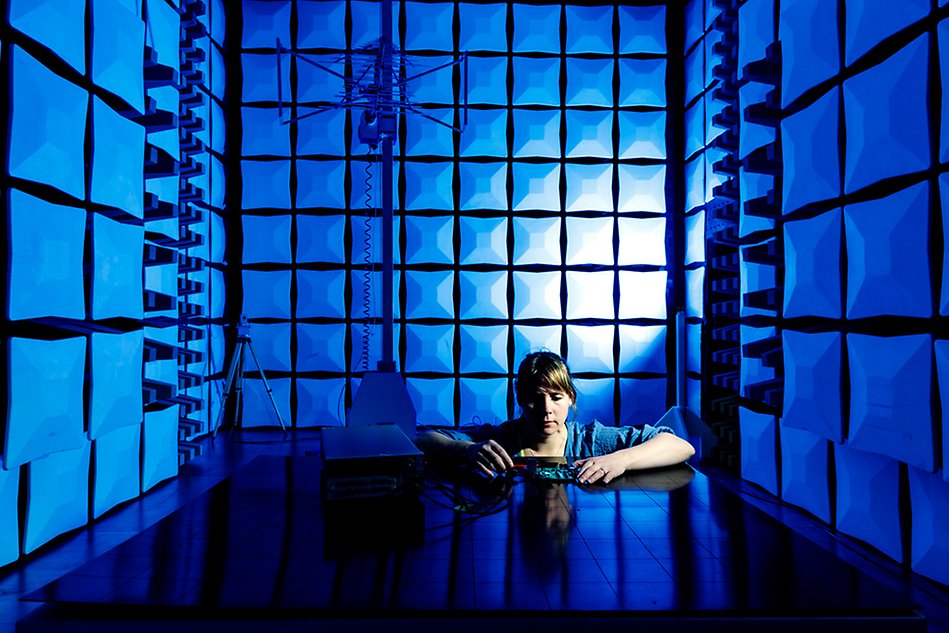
x,y
107,225
846,107
543,224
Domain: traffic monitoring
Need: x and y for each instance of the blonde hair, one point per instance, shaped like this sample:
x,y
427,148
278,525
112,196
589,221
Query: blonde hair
x,y
544,370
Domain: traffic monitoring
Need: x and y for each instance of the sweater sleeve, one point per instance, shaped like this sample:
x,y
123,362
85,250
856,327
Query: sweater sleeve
x,y
602,440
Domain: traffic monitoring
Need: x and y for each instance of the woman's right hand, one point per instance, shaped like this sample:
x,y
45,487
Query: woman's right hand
x,y
489,457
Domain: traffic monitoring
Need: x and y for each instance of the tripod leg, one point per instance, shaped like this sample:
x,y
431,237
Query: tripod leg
x,y
236,361
263,377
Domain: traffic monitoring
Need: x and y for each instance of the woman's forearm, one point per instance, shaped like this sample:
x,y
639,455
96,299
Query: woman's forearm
x,y
434,444
665,449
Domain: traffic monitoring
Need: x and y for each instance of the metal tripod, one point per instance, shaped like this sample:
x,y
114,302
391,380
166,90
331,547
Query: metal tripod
x,y
235,376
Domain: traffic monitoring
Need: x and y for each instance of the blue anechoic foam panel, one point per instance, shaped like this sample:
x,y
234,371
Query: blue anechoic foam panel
x,y
536,29
694,238
531,338
115,381
483,295
266,294
317,25
429,348
428,26
483,349
694,73
642,82
483,400
536,80
591,347
218,140
118,160
693,345
435,396
942,370
888,255
868,498
590,295
804,471
266,239
481,25
642,295
159,446
485,134
118,46
57,25
487,77
596,402
367,24
869,23
944,193
429,239
162,32
642,134
436,86
589,241
265,23
536,241
483,240
116,469
812,273
642,29
366,299
321,132
260,77
811,158
929,497
57,498
320,239
427,137
47,126
589,187
166,99
46,243
537,295
265,184
642,188
429,294
695,127
755,30
809,46
695,292
45,411
589,82
754,370
483,186
695,182
942,31
754,277
642,400
694,22
272,345
886,118
753,135
642,348
256,406
890,385
812,383
589,133
759,445
264,133
536,187
117,285
537,133
319,402
641,241
589,29
9,528
428,186
321,347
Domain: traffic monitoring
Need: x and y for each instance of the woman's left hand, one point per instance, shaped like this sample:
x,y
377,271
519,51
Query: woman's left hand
x,y
604,468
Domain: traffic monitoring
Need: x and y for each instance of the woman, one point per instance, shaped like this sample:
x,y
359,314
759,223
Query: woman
x,y
545,393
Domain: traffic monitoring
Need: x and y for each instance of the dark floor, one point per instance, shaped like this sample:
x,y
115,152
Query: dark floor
x,y
242,532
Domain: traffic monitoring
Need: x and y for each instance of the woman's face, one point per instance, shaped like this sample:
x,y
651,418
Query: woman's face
x,y
546,411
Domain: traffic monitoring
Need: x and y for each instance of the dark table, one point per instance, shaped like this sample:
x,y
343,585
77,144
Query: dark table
x,y
664,549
